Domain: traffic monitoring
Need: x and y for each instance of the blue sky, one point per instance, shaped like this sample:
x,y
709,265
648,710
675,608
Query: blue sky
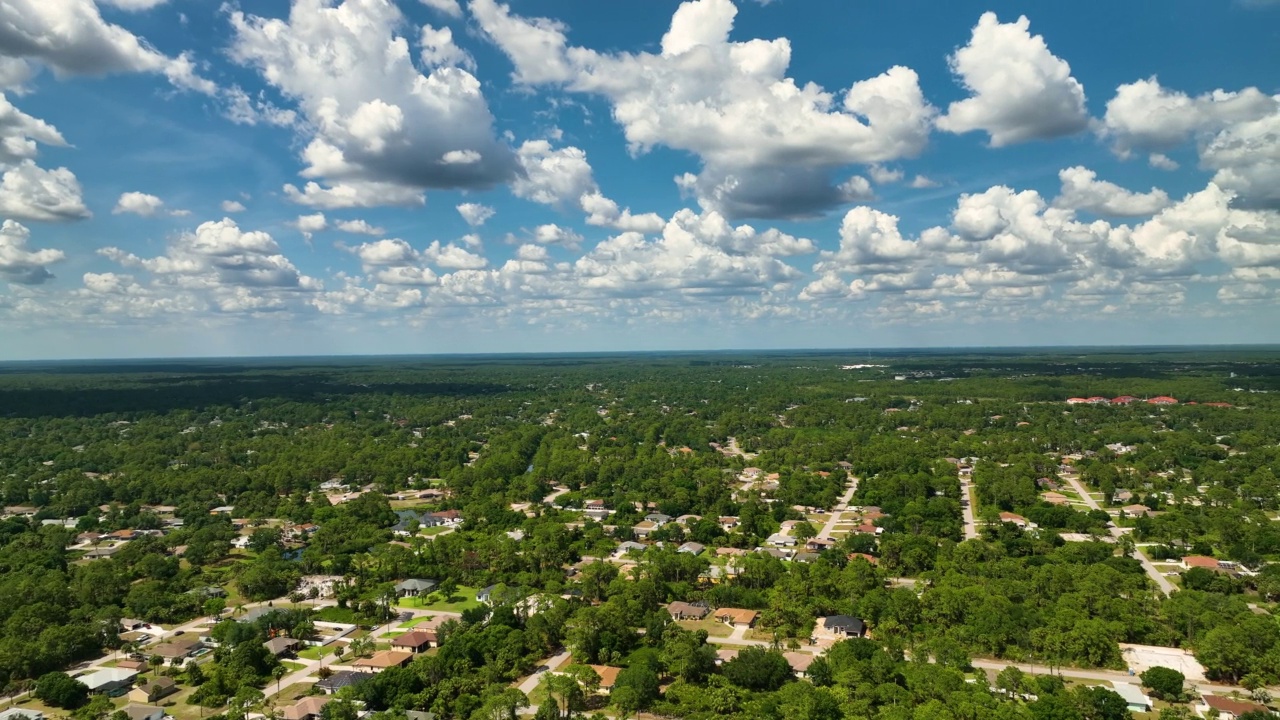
x,y
193,177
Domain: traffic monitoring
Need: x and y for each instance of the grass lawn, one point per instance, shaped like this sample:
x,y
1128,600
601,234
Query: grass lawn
x,y
316,652
293,666
289,693
437,530
713,628
464,598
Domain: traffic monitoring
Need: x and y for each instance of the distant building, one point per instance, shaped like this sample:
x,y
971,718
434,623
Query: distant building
x,y
108,680
308,708
1015,519
384,660
1228,708
415,641
1133,697
282,646
136,711
844,626
339,680
687,611
736,617
153,690
414,587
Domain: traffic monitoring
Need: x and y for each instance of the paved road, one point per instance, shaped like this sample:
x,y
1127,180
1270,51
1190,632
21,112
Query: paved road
x,y
551,499
1160,580
1099,675
966,507
836,512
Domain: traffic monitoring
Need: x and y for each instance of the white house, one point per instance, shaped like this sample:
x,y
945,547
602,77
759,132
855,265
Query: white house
x,y
1133,696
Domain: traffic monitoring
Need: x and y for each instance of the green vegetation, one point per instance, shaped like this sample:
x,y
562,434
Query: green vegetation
x,y
332,469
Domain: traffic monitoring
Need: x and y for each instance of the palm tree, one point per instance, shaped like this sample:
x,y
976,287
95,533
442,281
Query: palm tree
x,y
278,672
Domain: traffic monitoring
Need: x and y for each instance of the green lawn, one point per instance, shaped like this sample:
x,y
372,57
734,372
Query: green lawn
x,y
293,666
464,598
428,532
415,621
317,651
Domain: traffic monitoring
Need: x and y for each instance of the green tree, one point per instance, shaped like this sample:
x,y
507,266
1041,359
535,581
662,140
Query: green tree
x,y
755,668
1164,683
61,690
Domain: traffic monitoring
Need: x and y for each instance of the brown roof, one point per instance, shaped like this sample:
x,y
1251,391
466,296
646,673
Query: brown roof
x,y
307,707
737,616
683,608
608,675
799,662
175,648
1235,707
414,639
385,659
1200,561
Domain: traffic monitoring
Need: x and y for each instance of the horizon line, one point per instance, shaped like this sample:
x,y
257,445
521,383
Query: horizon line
x,y
623,353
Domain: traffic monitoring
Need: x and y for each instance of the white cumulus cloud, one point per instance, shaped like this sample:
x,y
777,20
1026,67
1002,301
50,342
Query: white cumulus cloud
x,y
1020,90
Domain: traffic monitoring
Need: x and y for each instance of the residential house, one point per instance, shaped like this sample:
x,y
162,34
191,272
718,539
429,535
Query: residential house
x,y
819,544
730,552
593,505
1122,496
341,679
207,592
1163,400
805,557
413,587
1206,562
867,528
658,519
153,690
128,624
643,528
1015,519
130,664
385,659
597,514
137,711
1228,708
1056,498
728,523
627,547
608,676
1133,696
871,559
282,646
449,518
844,626
780,540
21,714
692,548
736,617
308,708
108,680
799,661
415,641
1136,510
681,610
175,652
685,520
485,595
724,655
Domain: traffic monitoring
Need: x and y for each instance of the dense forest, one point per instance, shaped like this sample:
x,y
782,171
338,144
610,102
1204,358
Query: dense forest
x,y
211,468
